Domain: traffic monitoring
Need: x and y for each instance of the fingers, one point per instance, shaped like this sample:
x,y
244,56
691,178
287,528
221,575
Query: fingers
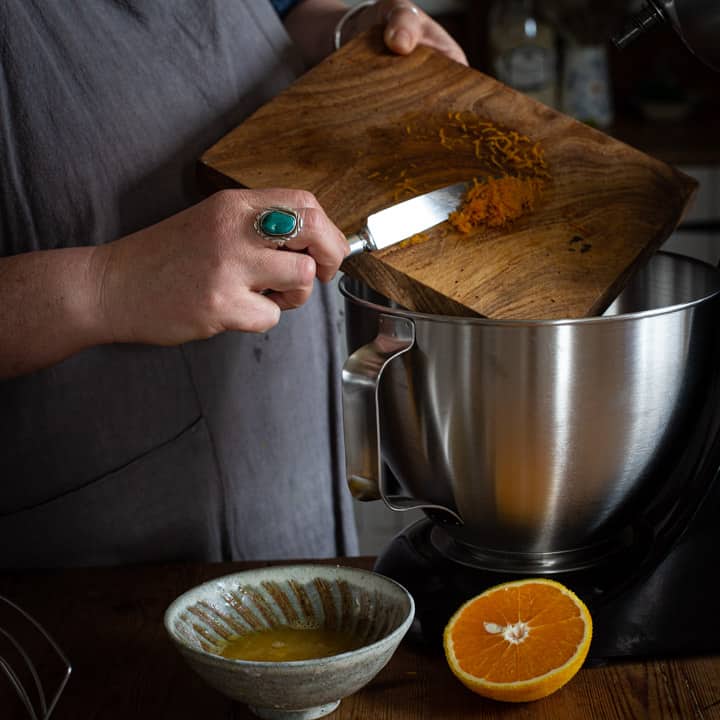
x,y
407,27
206,269
281,277
404,28
439,39
285,277
322,240
318,236
253,296
257,314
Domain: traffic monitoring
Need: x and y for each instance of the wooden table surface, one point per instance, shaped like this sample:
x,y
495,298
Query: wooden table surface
x,y
109,623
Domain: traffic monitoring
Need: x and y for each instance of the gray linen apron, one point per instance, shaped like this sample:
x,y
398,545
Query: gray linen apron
x,y
222,449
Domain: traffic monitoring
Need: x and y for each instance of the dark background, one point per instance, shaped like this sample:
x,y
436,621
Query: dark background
x,y
657,67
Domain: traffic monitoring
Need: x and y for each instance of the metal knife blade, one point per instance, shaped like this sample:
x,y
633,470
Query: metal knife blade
x,y
405,219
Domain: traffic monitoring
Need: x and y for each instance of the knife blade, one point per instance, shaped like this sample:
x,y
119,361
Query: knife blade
x,y
405,219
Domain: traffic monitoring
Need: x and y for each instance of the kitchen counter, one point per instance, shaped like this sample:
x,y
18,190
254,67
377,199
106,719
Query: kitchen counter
x,y
109,623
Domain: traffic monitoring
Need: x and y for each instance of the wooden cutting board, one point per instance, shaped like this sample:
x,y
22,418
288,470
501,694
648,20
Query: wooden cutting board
x,y
366,128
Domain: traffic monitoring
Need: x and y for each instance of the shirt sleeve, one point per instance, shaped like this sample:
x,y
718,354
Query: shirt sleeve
x,y
283,6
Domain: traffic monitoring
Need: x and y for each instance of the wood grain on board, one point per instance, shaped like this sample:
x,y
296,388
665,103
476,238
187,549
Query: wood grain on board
x,y
363,129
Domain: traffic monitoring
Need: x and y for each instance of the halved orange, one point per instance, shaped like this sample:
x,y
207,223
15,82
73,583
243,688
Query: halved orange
x,y
519,641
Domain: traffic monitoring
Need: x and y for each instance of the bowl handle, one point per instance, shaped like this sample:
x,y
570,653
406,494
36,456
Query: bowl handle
x,y
361,414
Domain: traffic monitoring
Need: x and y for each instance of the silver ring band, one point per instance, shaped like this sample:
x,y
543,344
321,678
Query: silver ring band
x,y
346,17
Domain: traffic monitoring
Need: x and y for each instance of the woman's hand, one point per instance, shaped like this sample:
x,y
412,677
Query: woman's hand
x,y
406,27
207,270
311,24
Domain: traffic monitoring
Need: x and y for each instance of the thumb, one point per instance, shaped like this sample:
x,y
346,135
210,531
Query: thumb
x,y
404,29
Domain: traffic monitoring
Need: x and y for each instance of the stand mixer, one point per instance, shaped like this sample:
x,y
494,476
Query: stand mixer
x,y
586,450
697,22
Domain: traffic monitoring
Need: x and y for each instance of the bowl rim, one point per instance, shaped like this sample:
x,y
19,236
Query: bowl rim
x,y
177,604
601,319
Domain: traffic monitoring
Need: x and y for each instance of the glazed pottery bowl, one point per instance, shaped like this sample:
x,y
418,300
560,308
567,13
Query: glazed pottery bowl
x,y
375,609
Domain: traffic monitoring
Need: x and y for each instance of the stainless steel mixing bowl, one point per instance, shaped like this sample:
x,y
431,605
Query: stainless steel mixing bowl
x,y
530,438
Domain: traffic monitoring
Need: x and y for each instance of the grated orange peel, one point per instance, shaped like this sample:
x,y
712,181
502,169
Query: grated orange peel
x,y
519,641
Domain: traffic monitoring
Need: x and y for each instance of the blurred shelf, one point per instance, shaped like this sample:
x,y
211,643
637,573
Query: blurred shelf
x,y
659,56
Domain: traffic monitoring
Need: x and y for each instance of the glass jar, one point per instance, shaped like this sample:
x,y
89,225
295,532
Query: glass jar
x,y
523,47
586,93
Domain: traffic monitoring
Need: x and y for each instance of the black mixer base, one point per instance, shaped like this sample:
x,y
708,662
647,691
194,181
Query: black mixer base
x,y
667,609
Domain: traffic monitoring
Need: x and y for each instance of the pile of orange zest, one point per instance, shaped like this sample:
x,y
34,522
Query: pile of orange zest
x,y
510,169
514,165
495,203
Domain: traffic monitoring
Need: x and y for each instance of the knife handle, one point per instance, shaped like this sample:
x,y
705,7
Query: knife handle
x,y
360,242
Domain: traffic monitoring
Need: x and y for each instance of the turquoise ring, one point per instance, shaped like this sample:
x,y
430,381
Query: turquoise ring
x,y
278,224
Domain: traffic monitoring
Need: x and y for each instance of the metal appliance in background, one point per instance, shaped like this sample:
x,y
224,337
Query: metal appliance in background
x,y
697,22
586,449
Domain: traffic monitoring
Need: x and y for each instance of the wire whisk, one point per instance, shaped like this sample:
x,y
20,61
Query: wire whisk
x,y
22,665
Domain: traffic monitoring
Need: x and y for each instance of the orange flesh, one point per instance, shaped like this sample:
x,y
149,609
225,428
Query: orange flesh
x,y
555,630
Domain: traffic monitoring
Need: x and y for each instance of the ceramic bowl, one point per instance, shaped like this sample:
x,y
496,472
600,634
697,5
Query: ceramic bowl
x,y
371,606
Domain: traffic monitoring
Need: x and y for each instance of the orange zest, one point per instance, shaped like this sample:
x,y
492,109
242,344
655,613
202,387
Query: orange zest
x,y
495,147
519,641
509,168
496,203
413,240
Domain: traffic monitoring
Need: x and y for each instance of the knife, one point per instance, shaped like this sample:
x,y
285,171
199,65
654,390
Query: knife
x,y
403,220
